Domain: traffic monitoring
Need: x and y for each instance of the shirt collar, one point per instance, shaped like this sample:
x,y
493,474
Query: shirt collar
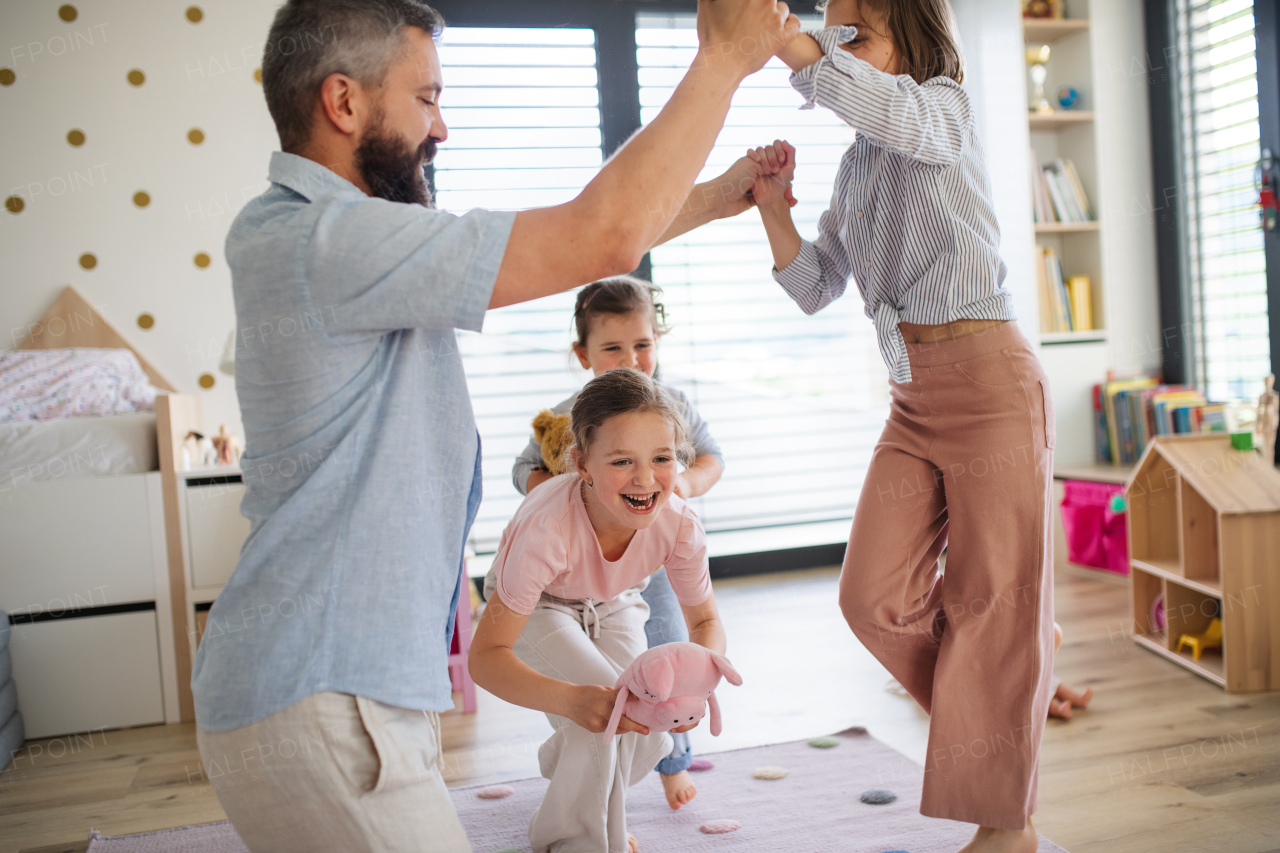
x,y
306,177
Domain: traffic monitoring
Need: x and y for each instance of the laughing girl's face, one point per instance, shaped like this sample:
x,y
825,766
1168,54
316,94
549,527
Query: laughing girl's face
x,y
631,466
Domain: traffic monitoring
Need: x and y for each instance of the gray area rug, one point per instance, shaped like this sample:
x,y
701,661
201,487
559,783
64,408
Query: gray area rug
x,y
815,808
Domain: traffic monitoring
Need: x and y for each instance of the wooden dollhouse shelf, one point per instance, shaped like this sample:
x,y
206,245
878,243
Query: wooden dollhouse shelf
x,y
1050,30
1065,227
1209,666
1204,544
1059,119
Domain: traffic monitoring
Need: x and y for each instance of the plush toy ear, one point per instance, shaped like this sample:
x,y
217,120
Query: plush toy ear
x,y
659,677
726,669
715,714
615,719
553,434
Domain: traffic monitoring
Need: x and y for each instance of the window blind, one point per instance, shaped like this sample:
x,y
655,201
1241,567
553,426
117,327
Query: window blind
x,y
795,402
1225,288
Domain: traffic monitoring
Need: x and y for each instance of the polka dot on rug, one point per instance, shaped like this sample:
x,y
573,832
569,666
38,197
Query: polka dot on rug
x,y
495,792
824,742
770,773
716,827
509,850
878,797
700,764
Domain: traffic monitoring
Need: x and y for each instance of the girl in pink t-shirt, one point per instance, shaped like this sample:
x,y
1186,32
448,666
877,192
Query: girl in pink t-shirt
x,y
565,614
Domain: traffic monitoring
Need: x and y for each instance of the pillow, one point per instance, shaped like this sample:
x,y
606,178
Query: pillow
x,y
43,385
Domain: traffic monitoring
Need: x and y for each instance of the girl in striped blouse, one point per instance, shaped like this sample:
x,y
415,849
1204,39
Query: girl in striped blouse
x,y
966,455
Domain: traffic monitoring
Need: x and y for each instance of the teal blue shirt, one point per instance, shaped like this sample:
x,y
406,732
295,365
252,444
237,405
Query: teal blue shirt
x,y
361,464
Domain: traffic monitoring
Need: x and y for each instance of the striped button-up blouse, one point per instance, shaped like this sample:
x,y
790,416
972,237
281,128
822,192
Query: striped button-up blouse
x,y
911,215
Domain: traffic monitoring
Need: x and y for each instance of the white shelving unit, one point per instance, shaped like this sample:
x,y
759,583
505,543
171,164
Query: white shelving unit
x,y
1099,50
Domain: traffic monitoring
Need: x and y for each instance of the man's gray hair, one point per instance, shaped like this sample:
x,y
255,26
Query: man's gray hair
x,y
311,39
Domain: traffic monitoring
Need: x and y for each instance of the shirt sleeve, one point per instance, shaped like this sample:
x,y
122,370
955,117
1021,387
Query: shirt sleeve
x,y
699,432
925,122
529,460
530,559
819,273
376,266
687,567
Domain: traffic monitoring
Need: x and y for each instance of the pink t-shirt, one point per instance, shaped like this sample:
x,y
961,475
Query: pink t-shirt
x,y
551,547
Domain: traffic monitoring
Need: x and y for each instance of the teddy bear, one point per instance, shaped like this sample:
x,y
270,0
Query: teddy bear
x,y
670,686
554,436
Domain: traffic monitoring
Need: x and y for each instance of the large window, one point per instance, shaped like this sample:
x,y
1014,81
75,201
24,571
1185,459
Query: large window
x,y
1224,261
795,402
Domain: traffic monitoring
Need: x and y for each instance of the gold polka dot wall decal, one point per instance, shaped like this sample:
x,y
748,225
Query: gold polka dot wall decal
x,y
136,78
146,321
195,14
202,260
257,75
14,204
88,260
75,138
141,199
195,136
67,13
206,380
7,76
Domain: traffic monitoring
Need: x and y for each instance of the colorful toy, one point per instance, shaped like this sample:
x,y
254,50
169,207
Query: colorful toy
x,y
670,686
1210,638
1068,97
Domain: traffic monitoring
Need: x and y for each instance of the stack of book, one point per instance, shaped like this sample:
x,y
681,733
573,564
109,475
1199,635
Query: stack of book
x,y
1065,302
1128,412
1057,194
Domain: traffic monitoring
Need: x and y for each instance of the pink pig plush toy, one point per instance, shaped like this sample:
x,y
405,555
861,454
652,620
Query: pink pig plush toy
x,y
669,686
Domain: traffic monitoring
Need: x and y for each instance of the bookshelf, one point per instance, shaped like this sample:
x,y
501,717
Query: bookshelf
x,y
1096,50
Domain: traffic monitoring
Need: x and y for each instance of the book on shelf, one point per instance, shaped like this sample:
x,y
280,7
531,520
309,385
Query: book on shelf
x,y
1057,193
1128,413
1065,303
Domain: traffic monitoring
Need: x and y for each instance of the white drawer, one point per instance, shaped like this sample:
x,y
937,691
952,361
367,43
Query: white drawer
x,y
86,673
215,532
76,544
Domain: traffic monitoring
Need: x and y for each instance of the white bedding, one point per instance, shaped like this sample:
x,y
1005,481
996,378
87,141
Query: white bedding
x,y
43,385
73,448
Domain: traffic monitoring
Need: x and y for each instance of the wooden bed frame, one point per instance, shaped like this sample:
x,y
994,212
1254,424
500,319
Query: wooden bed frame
x,y
73,322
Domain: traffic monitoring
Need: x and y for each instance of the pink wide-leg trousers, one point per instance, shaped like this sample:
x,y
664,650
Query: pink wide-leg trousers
x,y
965,462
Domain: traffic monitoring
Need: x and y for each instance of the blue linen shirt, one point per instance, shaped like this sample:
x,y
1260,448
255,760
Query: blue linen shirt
x,y
361,463
911,216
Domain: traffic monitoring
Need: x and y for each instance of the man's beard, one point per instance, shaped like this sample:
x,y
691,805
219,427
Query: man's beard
x,y
392,169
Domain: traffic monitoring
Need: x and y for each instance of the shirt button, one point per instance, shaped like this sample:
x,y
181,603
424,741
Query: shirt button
x,y
868,264
859,214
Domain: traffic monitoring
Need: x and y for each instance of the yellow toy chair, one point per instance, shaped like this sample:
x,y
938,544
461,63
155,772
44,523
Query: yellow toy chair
x,y
1211,638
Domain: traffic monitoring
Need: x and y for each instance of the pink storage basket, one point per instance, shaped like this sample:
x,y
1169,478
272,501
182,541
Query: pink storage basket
x,y
1096,536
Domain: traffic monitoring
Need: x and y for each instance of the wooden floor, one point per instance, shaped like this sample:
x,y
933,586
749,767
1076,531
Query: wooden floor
x,y
1162,760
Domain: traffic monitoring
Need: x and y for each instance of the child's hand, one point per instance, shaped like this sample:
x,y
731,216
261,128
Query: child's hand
x,y
777,164
591,707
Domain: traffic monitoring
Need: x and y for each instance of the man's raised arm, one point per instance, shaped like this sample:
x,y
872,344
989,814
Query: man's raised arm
x,y
629,205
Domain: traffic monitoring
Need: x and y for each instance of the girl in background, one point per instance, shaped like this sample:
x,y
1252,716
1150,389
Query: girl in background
x,y
966,456
618,323
566,614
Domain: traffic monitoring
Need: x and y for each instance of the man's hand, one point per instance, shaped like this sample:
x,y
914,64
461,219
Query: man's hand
x,y
591,707
777,164
743,34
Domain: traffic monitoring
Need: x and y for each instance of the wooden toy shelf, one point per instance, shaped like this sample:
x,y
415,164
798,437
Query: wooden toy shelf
x,y
1204,533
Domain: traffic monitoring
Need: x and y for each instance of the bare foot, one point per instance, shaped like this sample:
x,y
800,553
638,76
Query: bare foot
x,y
632,844
1060,708
988,840
679,788
1077,700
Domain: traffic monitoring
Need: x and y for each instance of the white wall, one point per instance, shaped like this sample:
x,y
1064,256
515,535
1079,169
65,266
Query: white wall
x,y
79,199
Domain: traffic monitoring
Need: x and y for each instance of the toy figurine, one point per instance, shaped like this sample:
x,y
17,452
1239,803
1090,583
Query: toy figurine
x,y
1268,419
1211,638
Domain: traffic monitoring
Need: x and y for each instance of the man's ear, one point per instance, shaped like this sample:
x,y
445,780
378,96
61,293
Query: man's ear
x,y
341,99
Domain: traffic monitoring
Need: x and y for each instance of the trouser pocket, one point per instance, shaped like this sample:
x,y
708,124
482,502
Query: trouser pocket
x,y
407,743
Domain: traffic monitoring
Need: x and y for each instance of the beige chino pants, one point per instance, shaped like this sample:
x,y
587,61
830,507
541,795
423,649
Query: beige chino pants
x,y
965,461
584,809
335,772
